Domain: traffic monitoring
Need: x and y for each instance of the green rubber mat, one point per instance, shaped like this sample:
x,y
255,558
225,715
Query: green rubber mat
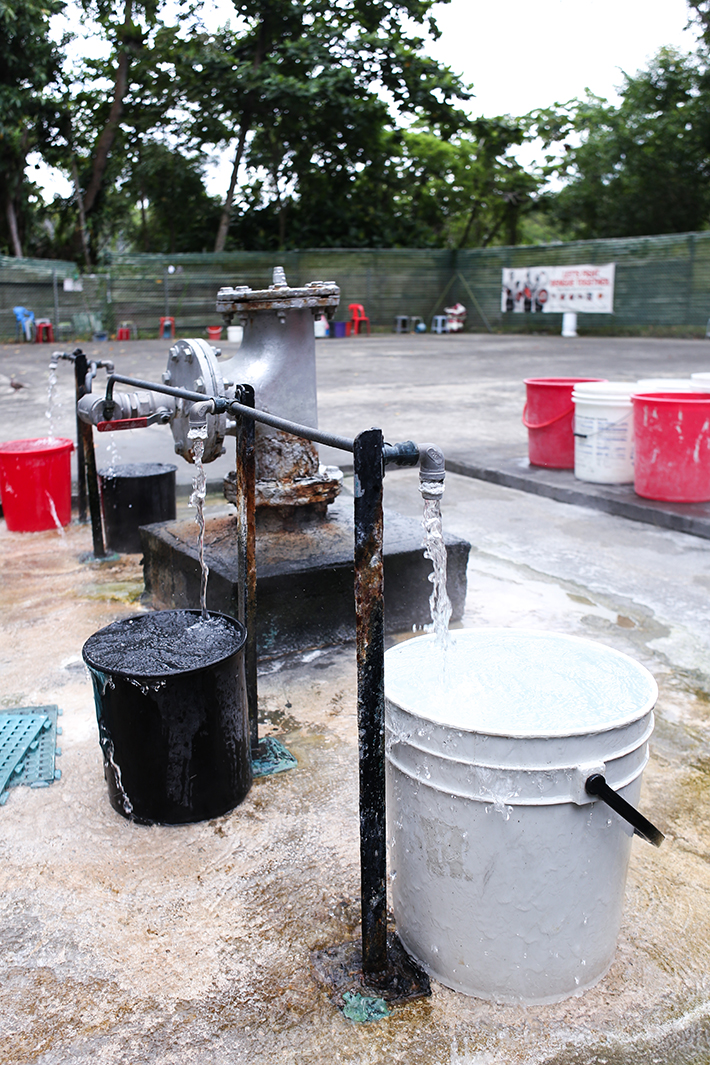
x,y
28,747
18,732
273,757
39,767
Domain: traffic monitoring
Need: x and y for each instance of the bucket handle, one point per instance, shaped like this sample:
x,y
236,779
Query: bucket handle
x,y
544,425
597,786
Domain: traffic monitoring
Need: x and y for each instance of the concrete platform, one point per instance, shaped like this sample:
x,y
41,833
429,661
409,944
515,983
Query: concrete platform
x,y
304,578
563,486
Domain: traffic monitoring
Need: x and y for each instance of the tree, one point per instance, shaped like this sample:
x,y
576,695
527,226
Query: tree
x,y
639,168
300,86
175,213
30,64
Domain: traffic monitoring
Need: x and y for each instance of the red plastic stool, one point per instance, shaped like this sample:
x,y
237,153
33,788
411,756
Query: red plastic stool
x,y
123,334
42,326
167,329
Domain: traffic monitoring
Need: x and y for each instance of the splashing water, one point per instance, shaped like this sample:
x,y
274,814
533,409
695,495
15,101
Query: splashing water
x,y
197,500
51,399
114,457
435,549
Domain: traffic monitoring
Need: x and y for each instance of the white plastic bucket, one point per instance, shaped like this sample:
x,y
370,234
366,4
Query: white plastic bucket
x,y
604,432
569,324
672,384
507,879
235,334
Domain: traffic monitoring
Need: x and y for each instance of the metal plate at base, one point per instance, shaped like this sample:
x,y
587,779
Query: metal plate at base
x,y
339,969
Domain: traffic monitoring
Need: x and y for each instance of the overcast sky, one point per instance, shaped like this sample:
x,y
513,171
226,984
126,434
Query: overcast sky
x,y
523,56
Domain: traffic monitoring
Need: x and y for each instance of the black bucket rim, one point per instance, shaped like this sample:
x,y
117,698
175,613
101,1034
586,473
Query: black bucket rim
x,y
147,677
148,469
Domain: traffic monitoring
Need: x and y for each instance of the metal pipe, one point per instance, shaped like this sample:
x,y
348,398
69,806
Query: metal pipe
x,y
222,405
246,528
369,612
80,371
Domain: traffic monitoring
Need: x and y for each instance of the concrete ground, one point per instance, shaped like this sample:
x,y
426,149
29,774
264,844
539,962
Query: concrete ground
x,y
124,944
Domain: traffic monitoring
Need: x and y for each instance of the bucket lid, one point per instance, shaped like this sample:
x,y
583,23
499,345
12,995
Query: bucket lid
x,y
519,683
36,447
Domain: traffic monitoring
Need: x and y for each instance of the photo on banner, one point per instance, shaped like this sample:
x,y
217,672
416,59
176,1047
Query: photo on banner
x,y
556,289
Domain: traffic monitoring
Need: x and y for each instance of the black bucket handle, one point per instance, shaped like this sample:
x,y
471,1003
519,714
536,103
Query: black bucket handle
x,y
597,786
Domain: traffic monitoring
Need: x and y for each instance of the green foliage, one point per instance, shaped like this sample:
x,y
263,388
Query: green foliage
x,y
638,168
29,65
174,213
346,134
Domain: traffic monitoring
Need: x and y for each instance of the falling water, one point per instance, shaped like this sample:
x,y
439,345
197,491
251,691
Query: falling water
x,y
197,500
55,516
51,399
435,549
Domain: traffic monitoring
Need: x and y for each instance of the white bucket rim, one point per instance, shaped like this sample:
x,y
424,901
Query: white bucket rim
x,y
601,389
609,724
670,384
603,401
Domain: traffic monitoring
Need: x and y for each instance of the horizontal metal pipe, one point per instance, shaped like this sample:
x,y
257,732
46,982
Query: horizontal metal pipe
x,y
234,407
306,431
405,454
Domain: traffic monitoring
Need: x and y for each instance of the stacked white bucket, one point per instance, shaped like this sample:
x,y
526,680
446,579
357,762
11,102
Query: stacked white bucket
x,y
604,432
604,424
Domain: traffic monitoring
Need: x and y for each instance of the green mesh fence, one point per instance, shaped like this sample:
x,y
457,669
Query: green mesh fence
x,y
661,283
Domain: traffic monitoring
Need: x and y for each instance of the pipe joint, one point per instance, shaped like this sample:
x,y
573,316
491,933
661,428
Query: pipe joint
x,y
432,465
404,454
199,412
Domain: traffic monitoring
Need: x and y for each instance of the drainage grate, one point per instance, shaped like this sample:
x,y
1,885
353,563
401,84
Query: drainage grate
x,y
28,737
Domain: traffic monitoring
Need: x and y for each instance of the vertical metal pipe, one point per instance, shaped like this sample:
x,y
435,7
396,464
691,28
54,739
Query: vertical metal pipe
x,y
80,370
86,458
369,608
246,526
87,436
56,301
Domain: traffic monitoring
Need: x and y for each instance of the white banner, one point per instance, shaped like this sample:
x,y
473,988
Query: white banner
x,y
555,289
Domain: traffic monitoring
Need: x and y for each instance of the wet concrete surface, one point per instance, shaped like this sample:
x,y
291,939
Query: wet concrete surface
x,y
121,943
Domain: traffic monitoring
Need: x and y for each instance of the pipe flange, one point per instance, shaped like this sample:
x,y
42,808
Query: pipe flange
x,y
192,365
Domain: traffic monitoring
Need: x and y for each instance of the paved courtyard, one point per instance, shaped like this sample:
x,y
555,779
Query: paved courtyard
x,y
174,945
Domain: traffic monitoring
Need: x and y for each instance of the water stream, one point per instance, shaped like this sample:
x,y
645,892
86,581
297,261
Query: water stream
x,y
197,500
51,399
435,549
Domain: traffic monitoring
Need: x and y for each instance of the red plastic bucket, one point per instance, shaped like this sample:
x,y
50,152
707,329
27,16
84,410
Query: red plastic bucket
x,y
35,484
214,332
672,446
548,417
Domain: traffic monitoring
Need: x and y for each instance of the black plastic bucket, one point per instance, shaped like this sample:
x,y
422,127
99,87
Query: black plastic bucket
x,y
132,495
172,712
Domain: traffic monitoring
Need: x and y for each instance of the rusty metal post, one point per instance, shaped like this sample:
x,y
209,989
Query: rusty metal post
x,y
246,533
369,607
86,456
80,370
